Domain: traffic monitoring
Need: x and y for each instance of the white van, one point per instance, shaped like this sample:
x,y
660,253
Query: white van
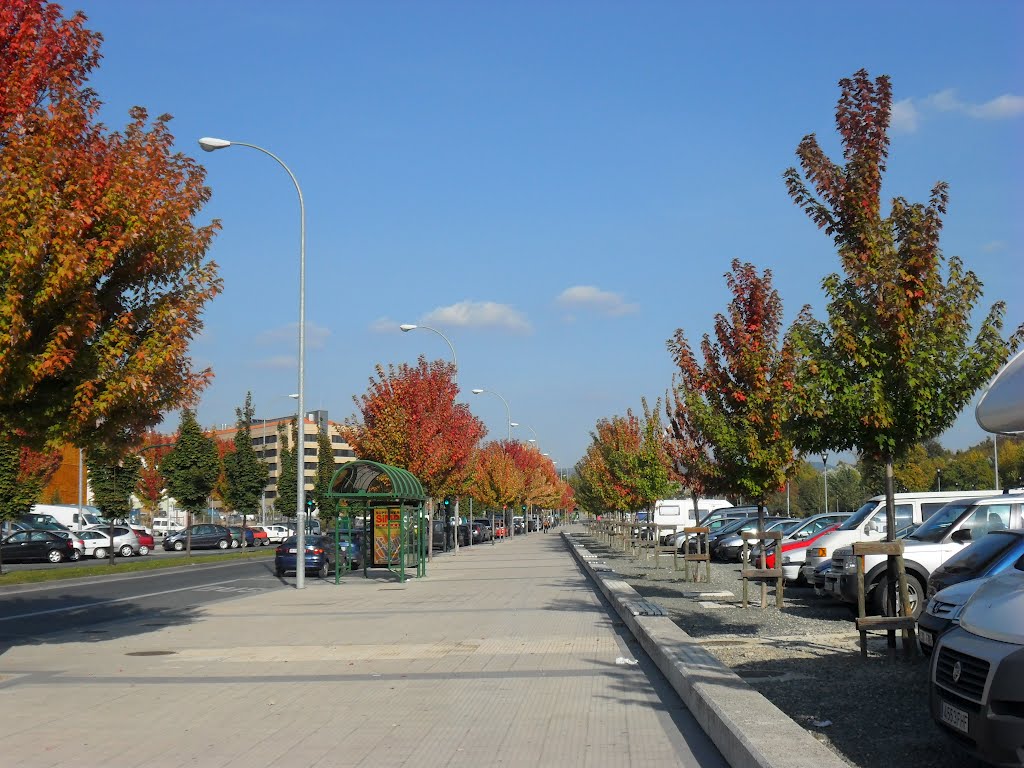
x,y
680,513
868,523
164,525
67,515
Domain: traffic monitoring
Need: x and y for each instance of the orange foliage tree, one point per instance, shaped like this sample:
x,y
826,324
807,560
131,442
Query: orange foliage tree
x,y
409,418
102,269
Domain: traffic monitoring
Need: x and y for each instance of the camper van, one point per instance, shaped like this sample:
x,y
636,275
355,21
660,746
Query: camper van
x,y
680,513
67,515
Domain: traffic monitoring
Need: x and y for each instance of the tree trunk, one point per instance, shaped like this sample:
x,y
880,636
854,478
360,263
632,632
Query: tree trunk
x,y
892,586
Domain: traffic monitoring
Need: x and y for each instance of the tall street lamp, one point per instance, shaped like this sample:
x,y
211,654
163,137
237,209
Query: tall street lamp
x,y
508,411
210,145
406,327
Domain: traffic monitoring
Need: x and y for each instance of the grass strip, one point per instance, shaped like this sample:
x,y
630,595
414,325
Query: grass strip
x,y
125,565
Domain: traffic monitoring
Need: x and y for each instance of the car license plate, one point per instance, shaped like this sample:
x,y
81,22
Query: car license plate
x,y
925,637
953,717
292,551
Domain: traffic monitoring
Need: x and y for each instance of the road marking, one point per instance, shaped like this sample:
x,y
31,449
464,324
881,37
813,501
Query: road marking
x,y
110,602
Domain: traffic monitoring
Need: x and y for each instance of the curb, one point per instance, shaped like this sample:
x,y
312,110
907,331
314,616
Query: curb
x,y
748,730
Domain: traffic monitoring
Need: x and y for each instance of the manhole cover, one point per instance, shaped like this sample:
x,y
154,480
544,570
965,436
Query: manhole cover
x,y
151,653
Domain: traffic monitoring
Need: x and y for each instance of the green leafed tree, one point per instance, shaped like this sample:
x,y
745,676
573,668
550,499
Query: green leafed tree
x,y
246,476
325,467
191,468
893,363
113,484
287,500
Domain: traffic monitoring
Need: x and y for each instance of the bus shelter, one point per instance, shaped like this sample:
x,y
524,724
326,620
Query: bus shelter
x,y
386,502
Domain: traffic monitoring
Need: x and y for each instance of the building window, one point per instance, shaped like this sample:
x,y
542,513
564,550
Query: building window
x,y
272,466
310,452
257,441
310,465
266,454
344,452
271,494
337,439
271,438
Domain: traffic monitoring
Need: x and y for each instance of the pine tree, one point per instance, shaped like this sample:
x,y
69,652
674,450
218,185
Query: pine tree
x,y
246,475
191,468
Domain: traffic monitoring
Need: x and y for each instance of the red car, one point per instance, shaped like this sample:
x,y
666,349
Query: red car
x,y
499,530
794,554
146,542
260,538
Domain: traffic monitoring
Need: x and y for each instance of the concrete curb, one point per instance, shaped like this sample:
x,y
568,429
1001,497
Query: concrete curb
x,y
748,730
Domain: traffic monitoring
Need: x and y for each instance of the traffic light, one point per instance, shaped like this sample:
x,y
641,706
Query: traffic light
x,y
310,505
524,508
447,503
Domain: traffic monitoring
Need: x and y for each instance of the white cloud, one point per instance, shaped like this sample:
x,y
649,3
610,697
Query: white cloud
x,y
1006,105
384,325
278,362
478,314
995,245
904,116
592,297
944,101
316,336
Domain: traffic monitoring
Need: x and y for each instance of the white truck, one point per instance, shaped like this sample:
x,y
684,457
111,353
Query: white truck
x,y
681,513
68,515
937,539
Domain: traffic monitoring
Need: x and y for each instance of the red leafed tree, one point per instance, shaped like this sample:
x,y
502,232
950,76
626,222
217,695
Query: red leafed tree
x,y
101,265
151,480
741,398
409,418
540,486
497,482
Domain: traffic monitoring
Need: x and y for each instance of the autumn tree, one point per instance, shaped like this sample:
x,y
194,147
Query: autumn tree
x,y
409,418
691,462
102,267
497,482
540,486
23,475
893,364
740,398
191,468
245,474
151,485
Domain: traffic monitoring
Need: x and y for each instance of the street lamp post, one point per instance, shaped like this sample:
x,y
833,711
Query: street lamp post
x,y
508,411
210,145
406,327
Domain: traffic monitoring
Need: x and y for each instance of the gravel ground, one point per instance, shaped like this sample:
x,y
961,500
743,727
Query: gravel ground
x,y
806,660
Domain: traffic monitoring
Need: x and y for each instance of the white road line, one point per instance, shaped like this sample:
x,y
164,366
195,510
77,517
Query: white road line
x,y
115,600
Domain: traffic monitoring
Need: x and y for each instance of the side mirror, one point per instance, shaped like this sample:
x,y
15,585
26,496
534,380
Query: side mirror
x,y
961,536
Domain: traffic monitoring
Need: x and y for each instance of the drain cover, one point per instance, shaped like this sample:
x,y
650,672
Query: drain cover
x,y
151,653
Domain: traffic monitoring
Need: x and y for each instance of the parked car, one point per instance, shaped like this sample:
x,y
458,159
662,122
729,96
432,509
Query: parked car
x,y
31,545
942,535
869,522
478,532
146,540
793,553
126,543
499,529
76,542
976,677
808,528
486,524
277,533
725,530
316,558
204,536
260,537
729,547
96,543
349,546
441,535
243,537
961,576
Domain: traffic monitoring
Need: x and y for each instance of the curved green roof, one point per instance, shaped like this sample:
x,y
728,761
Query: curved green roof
x,y
372,481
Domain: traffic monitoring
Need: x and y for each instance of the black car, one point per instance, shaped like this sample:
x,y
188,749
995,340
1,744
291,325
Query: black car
x,y
464,532
443,536
485,523
204,536
32,545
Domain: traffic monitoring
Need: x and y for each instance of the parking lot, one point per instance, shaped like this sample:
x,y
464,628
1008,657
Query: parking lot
x,y
806,660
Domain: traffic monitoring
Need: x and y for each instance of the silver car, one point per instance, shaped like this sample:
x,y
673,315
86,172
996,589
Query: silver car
x,y
126,543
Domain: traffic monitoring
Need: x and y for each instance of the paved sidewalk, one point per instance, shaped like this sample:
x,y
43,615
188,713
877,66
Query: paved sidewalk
x,y
503,655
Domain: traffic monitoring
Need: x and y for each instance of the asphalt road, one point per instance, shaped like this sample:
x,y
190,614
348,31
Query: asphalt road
x,y
158,551
115,603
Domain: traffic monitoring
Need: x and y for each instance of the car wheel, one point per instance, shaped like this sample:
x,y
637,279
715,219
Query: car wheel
x,y
915,591
54,555
143,550
325,569
127,551
222,544
75,556
178,546
234,544
99,553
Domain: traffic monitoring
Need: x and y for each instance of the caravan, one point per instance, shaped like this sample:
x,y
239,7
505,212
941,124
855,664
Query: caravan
x,y
680,513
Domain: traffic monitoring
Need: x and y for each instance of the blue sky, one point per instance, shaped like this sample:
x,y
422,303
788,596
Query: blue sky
x,y
556,186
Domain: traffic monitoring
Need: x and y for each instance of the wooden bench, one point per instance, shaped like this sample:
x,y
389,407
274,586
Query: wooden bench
x,y
699,536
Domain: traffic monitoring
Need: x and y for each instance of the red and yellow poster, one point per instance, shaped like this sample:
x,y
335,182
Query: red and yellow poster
x,y
387,536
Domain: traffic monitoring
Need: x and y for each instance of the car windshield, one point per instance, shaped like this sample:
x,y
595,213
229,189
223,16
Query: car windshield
x,y
736,525
786,526
934,528
859,516
981,554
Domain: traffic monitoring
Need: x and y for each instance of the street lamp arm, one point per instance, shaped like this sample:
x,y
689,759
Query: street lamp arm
x,y
455,363
508,411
